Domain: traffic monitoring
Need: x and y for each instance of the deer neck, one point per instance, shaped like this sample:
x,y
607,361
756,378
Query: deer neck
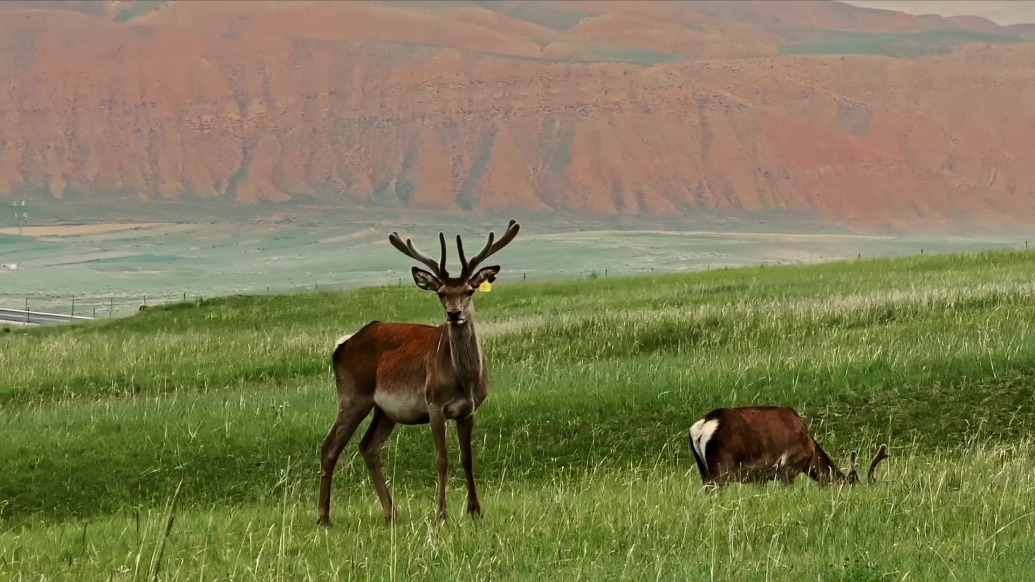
x,y
826,468
465,352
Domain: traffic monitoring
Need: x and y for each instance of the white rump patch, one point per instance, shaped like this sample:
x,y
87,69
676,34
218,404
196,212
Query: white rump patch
x,y
700,433
342,339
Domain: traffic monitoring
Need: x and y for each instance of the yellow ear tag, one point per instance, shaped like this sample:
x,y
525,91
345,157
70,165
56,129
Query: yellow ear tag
x,y
485,286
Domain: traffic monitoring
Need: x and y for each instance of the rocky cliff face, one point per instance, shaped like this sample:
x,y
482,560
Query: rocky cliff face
x,y
588,106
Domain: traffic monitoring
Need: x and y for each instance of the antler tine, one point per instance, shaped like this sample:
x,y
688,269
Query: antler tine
x,y
409,250
468,266
491,248
464,271
442,262
882,453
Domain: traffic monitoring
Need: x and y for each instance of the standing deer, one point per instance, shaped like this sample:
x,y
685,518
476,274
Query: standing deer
x,y
765,443
409,373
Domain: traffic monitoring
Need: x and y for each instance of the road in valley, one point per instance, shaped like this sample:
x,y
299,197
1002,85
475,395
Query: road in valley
x,y
37,317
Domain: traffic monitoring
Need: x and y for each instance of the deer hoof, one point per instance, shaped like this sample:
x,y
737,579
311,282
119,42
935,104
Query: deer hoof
x,y
324,521
474,510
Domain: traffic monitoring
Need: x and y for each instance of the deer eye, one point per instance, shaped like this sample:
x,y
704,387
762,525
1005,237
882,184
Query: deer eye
x,y
441,295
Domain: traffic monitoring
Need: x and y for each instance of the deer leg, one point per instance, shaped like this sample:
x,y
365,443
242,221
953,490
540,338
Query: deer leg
x,y
465,426
339,435
438,434
370,447
721,475
702,468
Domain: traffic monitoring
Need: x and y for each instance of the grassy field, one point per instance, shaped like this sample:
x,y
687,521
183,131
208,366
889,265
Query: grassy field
x,y
182,442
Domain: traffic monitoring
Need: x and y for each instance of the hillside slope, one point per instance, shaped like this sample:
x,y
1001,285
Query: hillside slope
x,y
592,107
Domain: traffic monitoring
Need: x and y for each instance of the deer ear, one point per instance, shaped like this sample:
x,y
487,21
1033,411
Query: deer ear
x,y
485,274
425,280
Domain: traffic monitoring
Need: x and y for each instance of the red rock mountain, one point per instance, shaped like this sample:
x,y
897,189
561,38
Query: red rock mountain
x,y
866,118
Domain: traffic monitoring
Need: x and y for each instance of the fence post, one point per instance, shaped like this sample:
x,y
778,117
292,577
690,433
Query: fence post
x,y
73,306
111,306
95,312
26,309
605,273
921,251
524,276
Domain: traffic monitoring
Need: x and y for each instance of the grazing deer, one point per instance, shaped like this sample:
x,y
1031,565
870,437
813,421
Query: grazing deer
x,y
409,373
765,443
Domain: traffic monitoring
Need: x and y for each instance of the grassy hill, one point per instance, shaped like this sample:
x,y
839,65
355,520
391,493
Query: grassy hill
x,y
894,44
184,439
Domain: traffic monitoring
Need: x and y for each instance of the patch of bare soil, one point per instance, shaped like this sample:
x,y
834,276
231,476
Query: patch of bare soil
x,y
60,230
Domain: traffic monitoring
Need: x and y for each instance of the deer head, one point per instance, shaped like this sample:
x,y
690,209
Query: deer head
x,y
455,293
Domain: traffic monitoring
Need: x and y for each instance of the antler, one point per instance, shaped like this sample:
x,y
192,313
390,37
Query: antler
x,y
853,466
882,453
488,250
409,250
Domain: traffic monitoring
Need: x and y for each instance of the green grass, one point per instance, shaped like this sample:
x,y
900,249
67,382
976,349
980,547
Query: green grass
x,y
900,45
627,54
139,8
935,520
550,15
211,413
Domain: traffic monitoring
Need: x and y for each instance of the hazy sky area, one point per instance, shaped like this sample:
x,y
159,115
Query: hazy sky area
x,y
998,11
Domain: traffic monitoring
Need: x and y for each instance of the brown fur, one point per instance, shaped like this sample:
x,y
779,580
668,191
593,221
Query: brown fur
x,y
410,373
766,443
